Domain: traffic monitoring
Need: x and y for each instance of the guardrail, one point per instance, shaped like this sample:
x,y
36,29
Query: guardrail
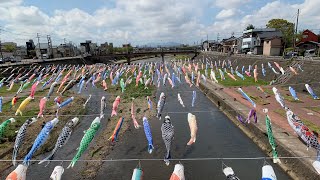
x,y
260,56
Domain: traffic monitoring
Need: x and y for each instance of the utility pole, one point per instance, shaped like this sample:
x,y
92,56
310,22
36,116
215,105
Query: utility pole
x,y
207,43
296,31
38,36
50,53
1,47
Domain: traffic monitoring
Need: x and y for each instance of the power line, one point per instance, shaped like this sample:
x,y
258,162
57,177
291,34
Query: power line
x,y
158,159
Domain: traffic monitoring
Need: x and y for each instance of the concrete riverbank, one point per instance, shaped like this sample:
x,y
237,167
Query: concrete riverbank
x,y
288,145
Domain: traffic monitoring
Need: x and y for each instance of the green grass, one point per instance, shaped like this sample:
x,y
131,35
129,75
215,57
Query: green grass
x,y
249,81
315,109
311,125
258,100
181,57
5,92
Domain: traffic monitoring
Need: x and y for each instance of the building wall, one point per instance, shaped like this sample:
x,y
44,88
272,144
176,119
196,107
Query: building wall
x,y
308,35
272,47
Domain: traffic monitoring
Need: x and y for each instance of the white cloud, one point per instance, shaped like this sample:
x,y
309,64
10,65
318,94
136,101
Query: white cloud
x,y
227,4
226,13
8,3
142,21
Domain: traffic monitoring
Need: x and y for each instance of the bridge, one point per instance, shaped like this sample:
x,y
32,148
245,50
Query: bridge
x,y
129,55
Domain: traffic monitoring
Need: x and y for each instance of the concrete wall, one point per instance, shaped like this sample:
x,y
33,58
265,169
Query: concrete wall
x,y
296,168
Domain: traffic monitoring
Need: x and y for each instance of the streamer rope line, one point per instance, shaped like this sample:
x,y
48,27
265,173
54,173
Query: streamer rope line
x,y
155,159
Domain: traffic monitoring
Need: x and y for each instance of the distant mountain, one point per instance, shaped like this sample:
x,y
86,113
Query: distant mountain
x,y
166,44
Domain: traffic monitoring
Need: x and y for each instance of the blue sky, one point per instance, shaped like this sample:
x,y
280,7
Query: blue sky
x,y
144,21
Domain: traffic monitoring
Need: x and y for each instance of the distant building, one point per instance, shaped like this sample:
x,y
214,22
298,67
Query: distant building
x,y
229,45
21,51
106,48
309,41
30,48
88,47
126,45
253,39
210,45
272,46
42,50
308,35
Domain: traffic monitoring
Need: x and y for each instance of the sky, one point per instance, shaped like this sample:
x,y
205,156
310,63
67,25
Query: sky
x,y
141,22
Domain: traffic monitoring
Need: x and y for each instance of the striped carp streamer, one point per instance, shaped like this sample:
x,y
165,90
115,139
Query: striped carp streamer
x,y
1,98
160,105
116,130
115,106
167,131
4,125
278,97
86,140
193,128
103,105
147,131
252,113
221,74
180,100
240,75
57,173
268,173
149,103
82,82
51,89
20,138
66,102
213,76
40,140
293,93
23,105
178,173
229,173
84,105
247,97
62,139
20,173
194,96
271,138
305,134
311,92
42,106
137,174
133,116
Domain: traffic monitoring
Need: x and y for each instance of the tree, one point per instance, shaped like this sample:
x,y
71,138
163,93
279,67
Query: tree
x,y
250,26
286,27
9,47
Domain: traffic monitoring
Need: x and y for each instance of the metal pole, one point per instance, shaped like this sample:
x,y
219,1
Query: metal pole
x,y
296,31
39,45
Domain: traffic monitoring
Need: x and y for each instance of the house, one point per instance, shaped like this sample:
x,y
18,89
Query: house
x,y
272,46
21,51
88,47
42,50
229,45
253,39
210,45
308,41
105,48
66,50
30,48
308,35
